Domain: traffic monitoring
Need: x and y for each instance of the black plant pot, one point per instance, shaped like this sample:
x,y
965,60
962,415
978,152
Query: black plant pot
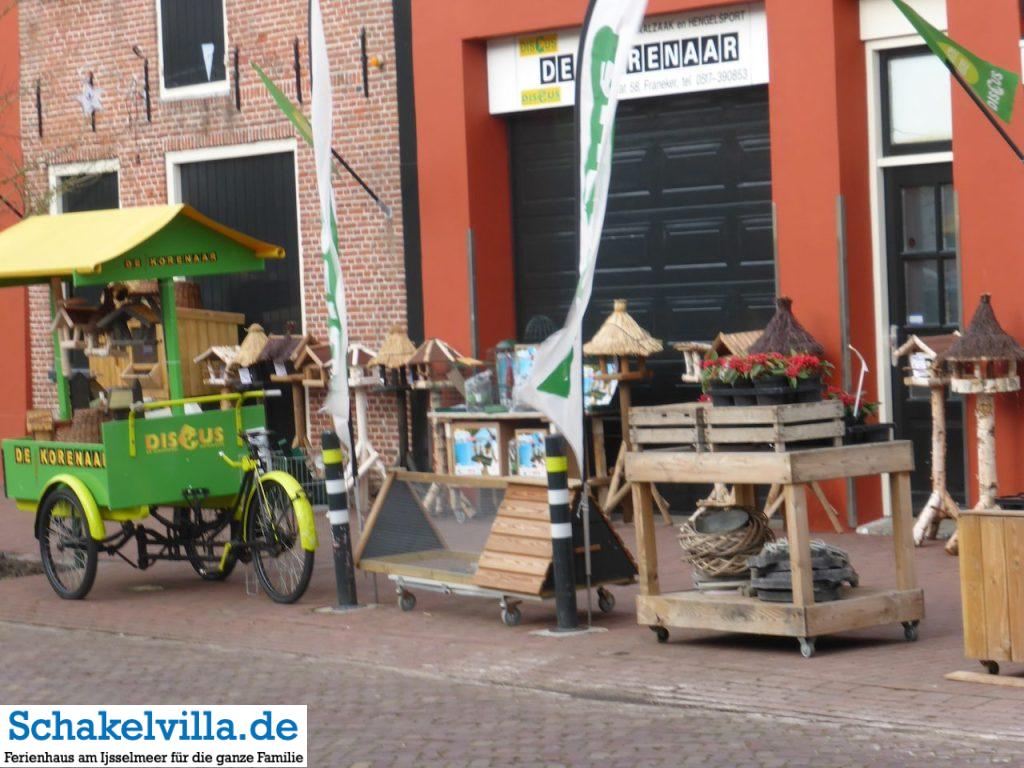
x,y
774,390
860,433
743,393
809,390
721,393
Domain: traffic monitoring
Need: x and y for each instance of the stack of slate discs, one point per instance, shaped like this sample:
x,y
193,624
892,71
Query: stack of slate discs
x,y
771,576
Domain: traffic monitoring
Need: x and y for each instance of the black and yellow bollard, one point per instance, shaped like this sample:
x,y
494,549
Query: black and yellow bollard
x,y
337,515
562,556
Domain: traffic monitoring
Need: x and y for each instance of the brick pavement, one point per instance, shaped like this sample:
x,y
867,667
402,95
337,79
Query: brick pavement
x,y
361,716
866,679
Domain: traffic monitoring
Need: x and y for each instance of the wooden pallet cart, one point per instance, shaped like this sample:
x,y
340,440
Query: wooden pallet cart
x,y
503,551
672,456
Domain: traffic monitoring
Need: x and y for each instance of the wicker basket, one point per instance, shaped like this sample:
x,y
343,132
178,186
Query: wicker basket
x,y
723,554
84,427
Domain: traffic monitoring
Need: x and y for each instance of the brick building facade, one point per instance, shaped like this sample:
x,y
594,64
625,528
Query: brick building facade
x,y
62,45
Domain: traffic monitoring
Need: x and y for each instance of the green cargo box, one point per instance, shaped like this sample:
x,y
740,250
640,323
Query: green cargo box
x,y
141,462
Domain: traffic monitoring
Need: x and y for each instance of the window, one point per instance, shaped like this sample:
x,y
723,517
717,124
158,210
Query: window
x,y
193,48
917,113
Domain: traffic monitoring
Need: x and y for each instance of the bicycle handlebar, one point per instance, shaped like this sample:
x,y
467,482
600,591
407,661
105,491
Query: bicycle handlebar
x,y
229,461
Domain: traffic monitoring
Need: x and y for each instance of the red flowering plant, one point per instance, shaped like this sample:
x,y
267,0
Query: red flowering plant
x,y
765,364
716,368
864,409
802,367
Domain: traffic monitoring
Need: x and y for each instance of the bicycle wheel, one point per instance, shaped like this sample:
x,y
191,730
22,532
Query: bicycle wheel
x,y
68,552
205,550
283,567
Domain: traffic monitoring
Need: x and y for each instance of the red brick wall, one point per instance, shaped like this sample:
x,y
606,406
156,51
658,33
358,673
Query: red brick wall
x,y
61,40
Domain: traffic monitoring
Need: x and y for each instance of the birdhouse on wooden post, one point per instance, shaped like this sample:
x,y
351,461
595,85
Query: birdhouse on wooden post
x,y
392,363
249,353
221,368
923,370
276,364
983,362
621,341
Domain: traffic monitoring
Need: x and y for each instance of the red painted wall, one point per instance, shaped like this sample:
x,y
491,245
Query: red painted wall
x,y
14,341
989,181
819,151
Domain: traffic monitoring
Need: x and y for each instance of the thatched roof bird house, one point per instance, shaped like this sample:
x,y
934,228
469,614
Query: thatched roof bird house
x,y
252,345
785,335
393,357
983,362
985,357
622,338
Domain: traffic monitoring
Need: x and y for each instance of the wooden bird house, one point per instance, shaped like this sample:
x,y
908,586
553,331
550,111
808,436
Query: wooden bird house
x,y
220,365
437,365
393,358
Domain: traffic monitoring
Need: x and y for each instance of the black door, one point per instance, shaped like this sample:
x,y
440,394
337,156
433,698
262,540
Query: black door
x,y
688,234
255,195
924,299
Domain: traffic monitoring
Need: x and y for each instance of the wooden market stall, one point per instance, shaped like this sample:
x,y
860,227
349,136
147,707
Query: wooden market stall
x,y
685,447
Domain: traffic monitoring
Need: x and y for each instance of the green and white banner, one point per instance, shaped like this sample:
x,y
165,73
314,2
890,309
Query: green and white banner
x,y
555,384
337,403
995,86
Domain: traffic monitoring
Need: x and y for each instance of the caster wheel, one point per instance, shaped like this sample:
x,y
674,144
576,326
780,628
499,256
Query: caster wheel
x,y
605,601
910,631
661,633
992,667
807,647
406,601
511,616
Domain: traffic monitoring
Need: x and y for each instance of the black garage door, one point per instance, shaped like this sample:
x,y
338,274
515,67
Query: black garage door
x,y
688,234
255,195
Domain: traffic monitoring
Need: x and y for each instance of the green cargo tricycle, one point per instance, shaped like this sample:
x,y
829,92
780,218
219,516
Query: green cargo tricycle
x,y
199,467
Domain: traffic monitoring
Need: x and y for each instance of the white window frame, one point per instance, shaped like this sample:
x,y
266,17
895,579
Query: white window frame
x,y
199,90
89,167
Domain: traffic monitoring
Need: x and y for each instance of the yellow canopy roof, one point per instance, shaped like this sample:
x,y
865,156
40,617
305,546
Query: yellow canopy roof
x,y
58,246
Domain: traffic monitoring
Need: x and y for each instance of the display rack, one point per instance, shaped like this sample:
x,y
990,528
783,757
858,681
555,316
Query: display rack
x,y
793,470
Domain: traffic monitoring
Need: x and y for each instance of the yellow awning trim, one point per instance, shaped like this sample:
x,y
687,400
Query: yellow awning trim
x,y
58,246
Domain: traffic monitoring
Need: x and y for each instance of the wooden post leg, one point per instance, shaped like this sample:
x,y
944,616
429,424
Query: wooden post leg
x,y
646,547
902,530
833,515
662,503
799,545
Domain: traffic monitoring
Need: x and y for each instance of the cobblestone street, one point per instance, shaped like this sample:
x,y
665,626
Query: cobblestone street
x,y
362,716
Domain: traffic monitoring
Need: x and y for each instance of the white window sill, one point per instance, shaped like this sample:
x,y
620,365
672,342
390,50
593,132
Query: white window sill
x,y
198,91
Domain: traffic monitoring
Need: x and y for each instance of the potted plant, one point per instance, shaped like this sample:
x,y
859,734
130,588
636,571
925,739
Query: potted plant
x,y
742,384
716,379
805,374
857,428
768,374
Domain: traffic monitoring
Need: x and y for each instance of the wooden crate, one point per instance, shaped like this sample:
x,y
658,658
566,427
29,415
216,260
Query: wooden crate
x,y
706,428
784,426
992,583
681,424
198,330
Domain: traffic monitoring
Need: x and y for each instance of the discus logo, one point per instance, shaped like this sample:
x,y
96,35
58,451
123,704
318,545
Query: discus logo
x,y
187,438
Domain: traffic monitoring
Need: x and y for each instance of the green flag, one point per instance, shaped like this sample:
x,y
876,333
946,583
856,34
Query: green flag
x,y
995,86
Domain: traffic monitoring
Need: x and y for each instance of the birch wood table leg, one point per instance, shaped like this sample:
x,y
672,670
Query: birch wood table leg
x,y
799,545
646,547
902,530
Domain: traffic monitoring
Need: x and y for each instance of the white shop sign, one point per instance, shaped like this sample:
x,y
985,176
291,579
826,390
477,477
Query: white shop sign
x,y
678,53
